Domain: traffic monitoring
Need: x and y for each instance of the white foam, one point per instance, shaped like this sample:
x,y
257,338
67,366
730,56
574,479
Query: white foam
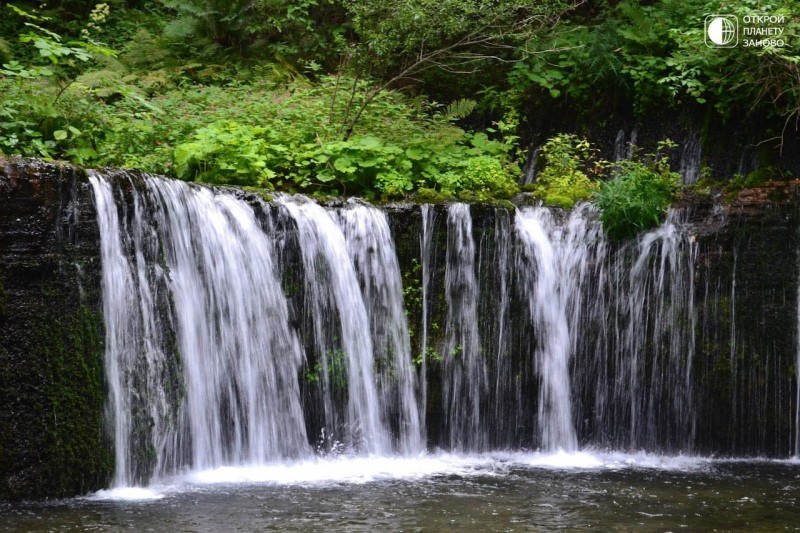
x,y
589,459
355,470
325,471
133,494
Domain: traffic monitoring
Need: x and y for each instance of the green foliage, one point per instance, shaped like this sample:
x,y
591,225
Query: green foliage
x,y
226,152
396,33
290,137
336,365
654,54
562,181
486,178
306,31
639,196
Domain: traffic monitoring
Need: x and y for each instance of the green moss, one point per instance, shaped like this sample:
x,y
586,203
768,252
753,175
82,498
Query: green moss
x,y
55,397
72,346
430,196
264,194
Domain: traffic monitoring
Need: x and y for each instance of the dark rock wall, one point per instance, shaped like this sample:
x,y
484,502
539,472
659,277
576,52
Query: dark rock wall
x,y
746,293
52,390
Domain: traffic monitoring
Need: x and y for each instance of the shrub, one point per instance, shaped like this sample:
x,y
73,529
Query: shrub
x,y
226,152
485,178
637,198
561,181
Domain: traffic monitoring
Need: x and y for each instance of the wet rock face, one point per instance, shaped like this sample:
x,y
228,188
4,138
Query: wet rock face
x,y
52,393
746,293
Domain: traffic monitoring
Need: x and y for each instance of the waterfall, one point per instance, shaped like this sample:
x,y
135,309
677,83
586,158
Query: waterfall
x,y
649,402
691,157
529,170
241,332
465,380
344,346
632,143
797,381
553,262
240,358
237,400
428,215
371,248
506,385
120,303
620,151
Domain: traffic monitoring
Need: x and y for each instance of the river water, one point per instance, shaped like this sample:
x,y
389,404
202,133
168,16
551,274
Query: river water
x,y
436,492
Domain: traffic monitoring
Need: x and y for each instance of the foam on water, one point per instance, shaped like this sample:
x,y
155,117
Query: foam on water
x,y
132,494
349,470
327,471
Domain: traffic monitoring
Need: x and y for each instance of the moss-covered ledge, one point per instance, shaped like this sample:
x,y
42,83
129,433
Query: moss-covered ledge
x,y
52,390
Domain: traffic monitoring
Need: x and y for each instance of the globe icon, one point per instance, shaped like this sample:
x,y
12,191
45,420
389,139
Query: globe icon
x,y
721,31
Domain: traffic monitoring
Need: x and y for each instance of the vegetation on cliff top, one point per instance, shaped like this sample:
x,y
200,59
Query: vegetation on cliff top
x,y
334,97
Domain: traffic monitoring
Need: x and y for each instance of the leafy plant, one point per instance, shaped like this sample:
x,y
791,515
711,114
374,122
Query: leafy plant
x,y
639,196
227,152
562,181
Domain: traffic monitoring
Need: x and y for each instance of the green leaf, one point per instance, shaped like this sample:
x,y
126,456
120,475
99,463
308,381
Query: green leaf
x,y
59,135
344,164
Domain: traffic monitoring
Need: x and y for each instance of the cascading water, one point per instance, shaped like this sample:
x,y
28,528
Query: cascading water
x,y
238,330
497,250
620,150
465,380
242,395
120,303
663,398
691,157
426,259
371,248
529,171
237,399
642,322
344,348
797,382
554,261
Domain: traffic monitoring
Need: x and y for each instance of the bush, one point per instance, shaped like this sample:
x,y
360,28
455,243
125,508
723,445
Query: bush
x,y
289,137
562,182
486,178
637,198
226,152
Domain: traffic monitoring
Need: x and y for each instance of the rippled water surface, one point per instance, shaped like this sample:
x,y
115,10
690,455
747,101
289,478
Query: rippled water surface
x,y
497,492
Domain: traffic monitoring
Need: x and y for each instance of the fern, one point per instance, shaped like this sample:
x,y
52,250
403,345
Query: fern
x,y
459,109
180,28
641,29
